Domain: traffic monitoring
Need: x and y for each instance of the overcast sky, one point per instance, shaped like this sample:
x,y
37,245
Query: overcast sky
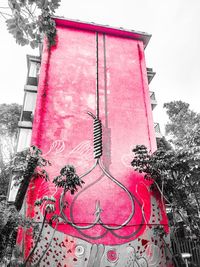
x,y
173,51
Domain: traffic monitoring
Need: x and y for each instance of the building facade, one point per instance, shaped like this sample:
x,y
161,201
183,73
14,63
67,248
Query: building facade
x,y
93,106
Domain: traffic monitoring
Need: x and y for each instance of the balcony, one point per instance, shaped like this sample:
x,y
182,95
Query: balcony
x,y
27,115
33,81
30,88
25,124
33,63
157,130
153,100
150,74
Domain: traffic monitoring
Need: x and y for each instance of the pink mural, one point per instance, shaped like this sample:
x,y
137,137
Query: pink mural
x,y
93,107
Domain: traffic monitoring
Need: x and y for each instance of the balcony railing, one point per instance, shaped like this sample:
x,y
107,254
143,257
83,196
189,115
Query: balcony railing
x,y
153,100
25,124
33,63
150,74
32,81
157,130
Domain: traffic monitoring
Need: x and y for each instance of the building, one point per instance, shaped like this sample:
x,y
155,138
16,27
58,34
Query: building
x,y
93,85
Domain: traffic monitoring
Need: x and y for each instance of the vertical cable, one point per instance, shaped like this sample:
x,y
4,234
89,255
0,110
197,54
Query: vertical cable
x,y
105,81
97,76
107,130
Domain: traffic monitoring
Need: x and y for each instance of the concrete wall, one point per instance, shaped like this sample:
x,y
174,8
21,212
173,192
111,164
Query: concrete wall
x,y
127,209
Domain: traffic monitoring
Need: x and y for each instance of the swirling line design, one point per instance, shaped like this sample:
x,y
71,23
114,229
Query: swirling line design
x,y
98,151
98,210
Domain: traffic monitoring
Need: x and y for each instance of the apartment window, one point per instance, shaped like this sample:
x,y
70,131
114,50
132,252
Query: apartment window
x,y
33,73
29,101
27,116
152,96
34,69
157,127
24,138
150,74
29,106
12,191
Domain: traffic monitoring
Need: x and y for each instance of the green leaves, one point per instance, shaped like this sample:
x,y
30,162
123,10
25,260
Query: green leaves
x,y
27,163
47,26
30,20
9,219
176,173
68,179
184,124
49,203
9,117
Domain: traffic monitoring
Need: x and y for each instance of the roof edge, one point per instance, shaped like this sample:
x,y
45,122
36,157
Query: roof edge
x,y
136,35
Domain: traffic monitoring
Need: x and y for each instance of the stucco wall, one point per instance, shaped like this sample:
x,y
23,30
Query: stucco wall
x,y
63,130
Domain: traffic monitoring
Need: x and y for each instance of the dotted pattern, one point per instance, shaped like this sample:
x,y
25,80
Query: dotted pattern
x,y
148,250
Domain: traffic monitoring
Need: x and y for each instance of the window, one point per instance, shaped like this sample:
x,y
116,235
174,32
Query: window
x,y
34,69
24,139
29,106
33,73
29,101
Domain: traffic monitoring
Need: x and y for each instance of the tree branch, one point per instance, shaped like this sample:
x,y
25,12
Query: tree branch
x,y
4,13
37,241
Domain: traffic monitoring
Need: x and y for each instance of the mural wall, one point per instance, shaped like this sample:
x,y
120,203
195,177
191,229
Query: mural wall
x,y
93,107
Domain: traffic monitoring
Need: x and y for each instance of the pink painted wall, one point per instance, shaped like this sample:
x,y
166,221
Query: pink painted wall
x,y
64,132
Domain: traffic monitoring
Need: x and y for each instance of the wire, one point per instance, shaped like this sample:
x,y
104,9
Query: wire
x,y
97,76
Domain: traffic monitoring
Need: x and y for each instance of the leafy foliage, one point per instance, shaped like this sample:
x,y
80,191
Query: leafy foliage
x,y
184,124
175,170
29,20
49,203
9,220
4,180
23,168
68,179
26,166
9,117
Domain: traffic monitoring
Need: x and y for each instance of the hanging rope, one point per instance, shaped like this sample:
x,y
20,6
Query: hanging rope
x,y
97,76
97,136
98,151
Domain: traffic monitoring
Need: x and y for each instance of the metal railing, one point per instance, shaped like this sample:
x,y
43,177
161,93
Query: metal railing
x,y
153,99
186,245
157,130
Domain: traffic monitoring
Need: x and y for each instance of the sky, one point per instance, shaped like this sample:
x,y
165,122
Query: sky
x,y
173,51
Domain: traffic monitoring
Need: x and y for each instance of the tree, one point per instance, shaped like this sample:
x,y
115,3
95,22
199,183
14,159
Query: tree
x,y
27,166
184,124
29,20
9,220
175,170
9,117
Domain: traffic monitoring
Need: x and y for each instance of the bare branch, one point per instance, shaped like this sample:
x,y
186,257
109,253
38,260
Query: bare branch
x,y
6,14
